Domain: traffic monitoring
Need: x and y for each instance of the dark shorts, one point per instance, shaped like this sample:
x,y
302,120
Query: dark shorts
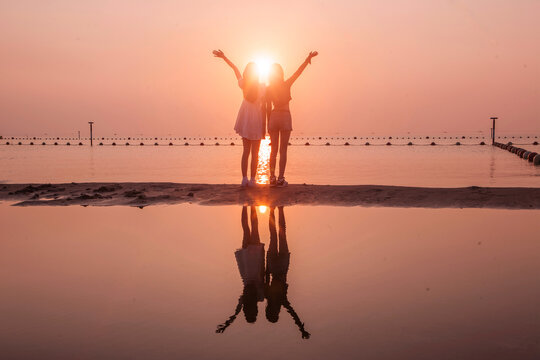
x,y
280,120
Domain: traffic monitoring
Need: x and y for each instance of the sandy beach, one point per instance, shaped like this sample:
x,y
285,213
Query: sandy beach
x,y
154,193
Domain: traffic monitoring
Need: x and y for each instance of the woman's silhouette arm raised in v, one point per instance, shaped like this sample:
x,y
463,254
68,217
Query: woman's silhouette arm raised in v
x,y
295,76
221,327
221,54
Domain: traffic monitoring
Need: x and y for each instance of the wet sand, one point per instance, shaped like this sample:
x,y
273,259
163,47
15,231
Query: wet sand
x,y
146,194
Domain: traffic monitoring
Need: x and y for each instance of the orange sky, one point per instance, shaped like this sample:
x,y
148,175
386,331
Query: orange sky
x,y
386,67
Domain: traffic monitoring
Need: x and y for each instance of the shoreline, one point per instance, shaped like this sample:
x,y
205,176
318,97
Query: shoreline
x,y
165,193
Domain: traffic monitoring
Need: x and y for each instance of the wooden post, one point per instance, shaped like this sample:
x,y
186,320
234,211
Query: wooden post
x,y
493,130
91,138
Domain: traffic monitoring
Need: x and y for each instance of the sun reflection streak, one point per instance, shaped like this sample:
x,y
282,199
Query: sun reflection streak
x,y
262,209
263,168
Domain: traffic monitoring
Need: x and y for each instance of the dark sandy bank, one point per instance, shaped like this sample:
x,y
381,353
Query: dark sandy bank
x,y
145,194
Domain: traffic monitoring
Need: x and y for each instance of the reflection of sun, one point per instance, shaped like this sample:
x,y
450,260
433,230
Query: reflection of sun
x,y
262,209
263,167
263,68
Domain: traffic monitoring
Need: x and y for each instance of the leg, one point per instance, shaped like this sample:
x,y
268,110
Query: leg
x,y
255,144
283,247
245,156
285,135
274,140
245,227
273,247
255,239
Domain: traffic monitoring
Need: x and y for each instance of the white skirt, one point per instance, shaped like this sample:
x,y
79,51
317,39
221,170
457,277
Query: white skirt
x,y
249,122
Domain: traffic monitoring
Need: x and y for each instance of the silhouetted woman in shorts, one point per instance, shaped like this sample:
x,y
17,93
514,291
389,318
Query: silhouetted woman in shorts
x,y
278,97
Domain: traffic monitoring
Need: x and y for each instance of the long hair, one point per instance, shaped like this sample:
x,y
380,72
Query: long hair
x,y
277,92
249,302
251,82
277,76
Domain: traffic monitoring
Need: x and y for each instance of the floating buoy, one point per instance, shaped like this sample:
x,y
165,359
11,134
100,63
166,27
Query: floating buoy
x,y
307,144
186,144
458,143
531,156
7,142
482,143
113,144
388,143
80,144
68,144
217,144
346,144
19,143
432,143
202,144
232,144
100,144
55,143
535,143
31,143
43,143
409,143
327,144
353,138
525,154
141,144
536,160
170,144
127,144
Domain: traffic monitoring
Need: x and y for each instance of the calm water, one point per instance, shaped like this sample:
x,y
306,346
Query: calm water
x,y
419,165
125,283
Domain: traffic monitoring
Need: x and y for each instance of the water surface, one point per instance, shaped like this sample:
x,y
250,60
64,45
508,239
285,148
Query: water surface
x,y
432,166
373,283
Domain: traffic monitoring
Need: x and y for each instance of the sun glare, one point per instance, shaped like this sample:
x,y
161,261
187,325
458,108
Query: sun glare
x,y
263,68
263,167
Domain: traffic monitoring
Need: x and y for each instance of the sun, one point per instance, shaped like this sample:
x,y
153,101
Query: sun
x,y
263,68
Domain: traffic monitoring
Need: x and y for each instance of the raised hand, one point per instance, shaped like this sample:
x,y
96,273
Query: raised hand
x,y
218,53
311,55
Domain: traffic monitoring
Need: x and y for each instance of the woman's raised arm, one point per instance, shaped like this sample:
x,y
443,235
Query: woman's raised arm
x,y
221,327
220,54
295,76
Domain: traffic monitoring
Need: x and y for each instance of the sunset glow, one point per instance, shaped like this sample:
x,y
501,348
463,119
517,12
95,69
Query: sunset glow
x,y
263,170
263,68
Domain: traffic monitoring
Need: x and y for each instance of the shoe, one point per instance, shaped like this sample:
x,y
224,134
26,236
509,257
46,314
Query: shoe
x,y
281,182
245,182
252,182
273,180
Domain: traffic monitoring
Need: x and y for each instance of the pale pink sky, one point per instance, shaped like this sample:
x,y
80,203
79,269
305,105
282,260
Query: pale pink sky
x,y
385,66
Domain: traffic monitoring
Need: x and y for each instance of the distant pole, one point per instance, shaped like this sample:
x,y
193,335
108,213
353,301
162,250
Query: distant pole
x,y
91,138
493,130
79,134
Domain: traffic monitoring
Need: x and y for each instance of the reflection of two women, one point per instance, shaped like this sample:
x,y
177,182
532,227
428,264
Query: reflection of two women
x,y
258,283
